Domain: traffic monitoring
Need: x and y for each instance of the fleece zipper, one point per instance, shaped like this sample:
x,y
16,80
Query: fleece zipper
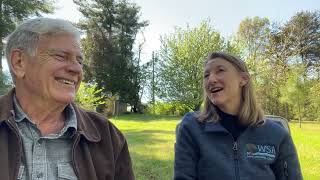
x,y
285,166
236,159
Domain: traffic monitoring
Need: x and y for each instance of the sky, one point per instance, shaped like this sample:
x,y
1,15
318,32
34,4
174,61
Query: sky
x,y
225,15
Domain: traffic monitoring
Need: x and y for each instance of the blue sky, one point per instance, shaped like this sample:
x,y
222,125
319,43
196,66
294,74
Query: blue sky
x,y
225,15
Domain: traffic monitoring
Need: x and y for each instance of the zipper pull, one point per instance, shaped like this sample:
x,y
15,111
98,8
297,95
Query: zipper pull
x,y
285,165
235,146
235,150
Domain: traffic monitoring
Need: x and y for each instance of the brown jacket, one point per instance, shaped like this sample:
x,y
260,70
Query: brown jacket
x,y
99,151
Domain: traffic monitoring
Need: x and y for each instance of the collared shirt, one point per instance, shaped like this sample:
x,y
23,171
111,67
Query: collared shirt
x,y
46,157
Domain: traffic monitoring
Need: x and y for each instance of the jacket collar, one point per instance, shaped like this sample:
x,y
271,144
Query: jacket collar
x,y
85,124
214,127
6,106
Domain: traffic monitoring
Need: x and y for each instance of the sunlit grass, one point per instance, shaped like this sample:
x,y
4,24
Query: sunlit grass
x,y
307,140
151,140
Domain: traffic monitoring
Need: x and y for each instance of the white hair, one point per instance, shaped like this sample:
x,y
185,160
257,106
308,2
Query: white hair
x,y
27,35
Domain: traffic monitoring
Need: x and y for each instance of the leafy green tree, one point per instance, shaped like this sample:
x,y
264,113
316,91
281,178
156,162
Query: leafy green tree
x,y
303,32
252,34
314,96
111,27
5,83
13,11
88,96
181,59
294,92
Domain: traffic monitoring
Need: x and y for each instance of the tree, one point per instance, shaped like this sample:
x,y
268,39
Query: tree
x,y
5,83
253,37
181,58
111,28
293,91
14,11
150,71
88,96
303,34
314,96
253,33
303,31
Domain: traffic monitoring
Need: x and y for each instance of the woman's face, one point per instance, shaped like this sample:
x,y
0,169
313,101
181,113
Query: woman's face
x,y
223,84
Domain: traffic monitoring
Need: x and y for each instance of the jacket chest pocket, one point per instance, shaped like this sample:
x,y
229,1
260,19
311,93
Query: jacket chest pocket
x,y
65,171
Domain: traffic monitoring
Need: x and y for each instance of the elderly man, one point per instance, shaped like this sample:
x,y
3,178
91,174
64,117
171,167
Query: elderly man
x,y
43,134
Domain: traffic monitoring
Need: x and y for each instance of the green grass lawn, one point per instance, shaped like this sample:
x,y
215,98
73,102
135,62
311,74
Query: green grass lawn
x,y
307,141
151,140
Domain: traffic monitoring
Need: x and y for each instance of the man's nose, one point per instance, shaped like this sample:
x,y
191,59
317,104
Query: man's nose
x,y
212,78
74,66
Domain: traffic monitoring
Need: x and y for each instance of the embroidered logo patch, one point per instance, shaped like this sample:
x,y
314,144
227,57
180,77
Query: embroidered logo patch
x,y
261,151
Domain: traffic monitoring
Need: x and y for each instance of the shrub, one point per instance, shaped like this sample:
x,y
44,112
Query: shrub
x,y
88,96
167,108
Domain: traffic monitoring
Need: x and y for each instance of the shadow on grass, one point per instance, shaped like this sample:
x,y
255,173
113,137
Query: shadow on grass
x,y
146,137
145,117
147,168
139,131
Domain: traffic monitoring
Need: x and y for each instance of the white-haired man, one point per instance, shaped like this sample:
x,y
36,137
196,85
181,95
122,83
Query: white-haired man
x,y
43,134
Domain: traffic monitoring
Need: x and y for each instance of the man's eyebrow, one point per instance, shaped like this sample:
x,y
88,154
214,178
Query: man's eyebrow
x,y
57,51
80,56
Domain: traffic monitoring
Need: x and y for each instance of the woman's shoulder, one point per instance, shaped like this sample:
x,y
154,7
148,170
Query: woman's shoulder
x,y
273,129
189,118
188,122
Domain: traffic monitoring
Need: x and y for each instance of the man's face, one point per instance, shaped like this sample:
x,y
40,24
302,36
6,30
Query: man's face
x,y
55,72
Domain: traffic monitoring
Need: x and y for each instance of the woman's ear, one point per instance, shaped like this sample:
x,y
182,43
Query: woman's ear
x,y
244,79
18,62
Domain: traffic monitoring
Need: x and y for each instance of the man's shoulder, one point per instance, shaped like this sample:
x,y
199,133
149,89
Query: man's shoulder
x,y
103,126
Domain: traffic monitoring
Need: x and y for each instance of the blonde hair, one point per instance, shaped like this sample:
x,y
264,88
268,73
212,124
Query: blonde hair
x,y
250,112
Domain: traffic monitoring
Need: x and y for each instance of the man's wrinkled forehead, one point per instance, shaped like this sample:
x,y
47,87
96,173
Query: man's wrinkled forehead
x,y
44,38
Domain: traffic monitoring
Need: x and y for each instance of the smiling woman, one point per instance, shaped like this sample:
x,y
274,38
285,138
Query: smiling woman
x,y
230,138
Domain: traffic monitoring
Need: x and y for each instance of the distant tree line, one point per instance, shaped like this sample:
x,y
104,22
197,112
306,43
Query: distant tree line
x,y
283,58
284,61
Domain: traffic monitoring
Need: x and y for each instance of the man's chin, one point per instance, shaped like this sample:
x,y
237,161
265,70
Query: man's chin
x,y
66,99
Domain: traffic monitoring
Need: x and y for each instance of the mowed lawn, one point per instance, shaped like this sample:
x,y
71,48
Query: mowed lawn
x,y
151,141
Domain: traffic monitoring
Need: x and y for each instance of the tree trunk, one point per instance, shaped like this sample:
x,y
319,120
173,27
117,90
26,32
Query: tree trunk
x,y
1,54
299,111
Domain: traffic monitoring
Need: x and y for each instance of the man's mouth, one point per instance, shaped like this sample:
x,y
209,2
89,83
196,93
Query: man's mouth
x,y
66,81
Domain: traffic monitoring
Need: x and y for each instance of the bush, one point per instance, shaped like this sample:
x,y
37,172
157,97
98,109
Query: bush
x,y
88,96
167,108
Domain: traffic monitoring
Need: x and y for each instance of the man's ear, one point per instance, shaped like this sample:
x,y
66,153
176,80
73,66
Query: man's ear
x,y
244,79
18,62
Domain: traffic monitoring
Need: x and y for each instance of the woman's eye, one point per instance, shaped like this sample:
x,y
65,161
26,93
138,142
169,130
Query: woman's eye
x,y
206,75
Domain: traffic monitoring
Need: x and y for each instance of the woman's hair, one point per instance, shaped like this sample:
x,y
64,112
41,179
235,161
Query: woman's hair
x,y
250,112
27,35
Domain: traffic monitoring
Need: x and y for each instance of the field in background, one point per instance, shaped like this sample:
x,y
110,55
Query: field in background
x,y
151,140
307,141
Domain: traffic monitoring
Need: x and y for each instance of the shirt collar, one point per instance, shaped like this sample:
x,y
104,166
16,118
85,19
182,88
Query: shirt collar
x,y
71,119
19,115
